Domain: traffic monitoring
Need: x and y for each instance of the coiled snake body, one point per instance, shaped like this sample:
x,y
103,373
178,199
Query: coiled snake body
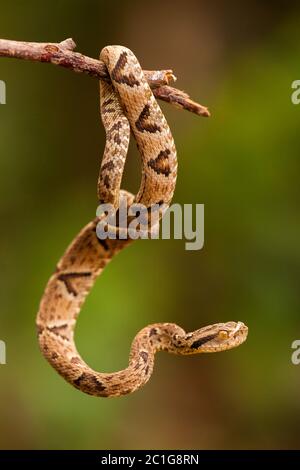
x,y
127,105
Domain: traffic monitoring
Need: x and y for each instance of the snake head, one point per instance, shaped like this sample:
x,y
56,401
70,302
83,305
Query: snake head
x,y
214,338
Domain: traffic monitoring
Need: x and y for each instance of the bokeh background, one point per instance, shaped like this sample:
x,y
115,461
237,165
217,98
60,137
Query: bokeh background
x,y
243,163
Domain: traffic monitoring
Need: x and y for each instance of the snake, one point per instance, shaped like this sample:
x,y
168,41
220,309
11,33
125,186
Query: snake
x,y
127,107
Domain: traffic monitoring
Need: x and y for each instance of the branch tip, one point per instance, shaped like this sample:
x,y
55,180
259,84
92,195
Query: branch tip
x,y
68,44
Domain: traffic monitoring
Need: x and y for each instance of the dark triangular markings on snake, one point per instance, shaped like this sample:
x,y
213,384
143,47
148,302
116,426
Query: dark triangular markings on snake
x,y
105,106
160,164
107,181
117,75
66,279
115,127
40,329
78,381
57,330
107,101
76,360
107,166
110,135
117,139
152,332
89,378
102,242
144,356
141,123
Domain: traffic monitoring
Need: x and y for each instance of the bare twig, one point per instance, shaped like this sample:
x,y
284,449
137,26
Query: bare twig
x,y
63,54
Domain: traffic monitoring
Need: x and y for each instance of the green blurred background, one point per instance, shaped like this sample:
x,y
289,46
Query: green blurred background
x,y
242,163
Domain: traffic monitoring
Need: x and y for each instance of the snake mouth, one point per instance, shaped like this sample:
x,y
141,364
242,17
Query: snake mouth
x,y
239,331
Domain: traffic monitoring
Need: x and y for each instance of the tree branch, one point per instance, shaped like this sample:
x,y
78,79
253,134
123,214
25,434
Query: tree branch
x,y
63,54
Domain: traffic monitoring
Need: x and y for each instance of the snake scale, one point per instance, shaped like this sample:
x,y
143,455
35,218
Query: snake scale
x,y
127,106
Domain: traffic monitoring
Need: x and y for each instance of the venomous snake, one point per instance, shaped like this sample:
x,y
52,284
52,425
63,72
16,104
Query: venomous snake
x,y
127,105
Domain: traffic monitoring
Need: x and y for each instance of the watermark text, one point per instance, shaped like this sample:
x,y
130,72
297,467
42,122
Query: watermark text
x,y
2,92
295,96
2,352
295,358
157,221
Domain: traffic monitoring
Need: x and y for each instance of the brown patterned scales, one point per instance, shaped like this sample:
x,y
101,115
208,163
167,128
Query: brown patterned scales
x,y
127,105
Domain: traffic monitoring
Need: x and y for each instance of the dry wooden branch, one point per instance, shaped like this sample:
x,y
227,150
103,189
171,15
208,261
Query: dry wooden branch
x,y
63,54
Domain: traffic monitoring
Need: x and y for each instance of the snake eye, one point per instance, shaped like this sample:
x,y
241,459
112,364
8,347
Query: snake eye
x,y
223,334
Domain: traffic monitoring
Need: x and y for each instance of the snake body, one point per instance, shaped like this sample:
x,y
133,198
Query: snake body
x,y
127,105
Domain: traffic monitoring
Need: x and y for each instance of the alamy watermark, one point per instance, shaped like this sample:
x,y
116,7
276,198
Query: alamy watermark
x,y
2,92
295,358
158,221
295,96
2,352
